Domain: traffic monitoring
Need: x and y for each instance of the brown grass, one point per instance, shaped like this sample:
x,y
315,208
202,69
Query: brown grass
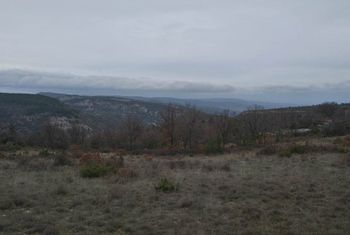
x,y
240,193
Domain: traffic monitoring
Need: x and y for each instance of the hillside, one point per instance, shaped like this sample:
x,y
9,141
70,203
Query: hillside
x,y
27,112
328,118
210,106
215,105
107,112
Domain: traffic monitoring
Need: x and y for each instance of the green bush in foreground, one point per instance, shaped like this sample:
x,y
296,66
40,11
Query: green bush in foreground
x,y
44,152
342,150
213,147
93,170
291,150
164,185
298,149
285,153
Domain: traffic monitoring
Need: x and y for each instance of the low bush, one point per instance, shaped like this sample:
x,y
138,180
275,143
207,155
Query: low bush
x,y
93,165
165,185
44,153
293,149
342,150
213,147
94,169
268,150
62,160
285,153
298,149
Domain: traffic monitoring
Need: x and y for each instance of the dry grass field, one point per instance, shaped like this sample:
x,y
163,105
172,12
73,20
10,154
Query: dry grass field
x,y
238,193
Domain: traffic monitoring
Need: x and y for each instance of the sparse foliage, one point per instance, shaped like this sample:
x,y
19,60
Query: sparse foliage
x,y
166,186
328,109
169,119
189,126
132,128
54,137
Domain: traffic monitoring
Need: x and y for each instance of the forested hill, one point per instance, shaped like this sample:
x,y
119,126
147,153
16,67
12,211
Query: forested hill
x,y
106,112
27,111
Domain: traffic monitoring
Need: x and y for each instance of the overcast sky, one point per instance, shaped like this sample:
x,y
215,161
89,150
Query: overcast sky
x,y
249,48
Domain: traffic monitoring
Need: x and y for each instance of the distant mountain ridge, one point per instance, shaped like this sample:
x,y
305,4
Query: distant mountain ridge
x,y
29,111
208,105
107,111
216,105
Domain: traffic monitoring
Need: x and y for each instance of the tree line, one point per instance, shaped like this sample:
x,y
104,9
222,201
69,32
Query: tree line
x,y
183,130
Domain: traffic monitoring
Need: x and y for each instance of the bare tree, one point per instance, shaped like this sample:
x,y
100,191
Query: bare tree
x,y
132,127
224,127
78,134
328,109
253,122
54,137
168,123
189,125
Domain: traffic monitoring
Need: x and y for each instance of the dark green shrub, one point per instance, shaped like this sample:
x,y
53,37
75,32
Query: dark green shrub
x,y
285,153
44,152
298,149
93,170
342,150
213,147
294,149
165,185
62,160
268,150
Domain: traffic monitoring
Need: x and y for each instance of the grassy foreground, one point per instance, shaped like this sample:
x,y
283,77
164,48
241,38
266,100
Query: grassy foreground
x,y
238,193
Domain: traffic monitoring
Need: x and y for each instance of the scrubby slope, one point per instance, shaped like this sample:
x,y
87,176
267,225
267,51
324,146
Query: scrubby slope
x,y
101,112
28,111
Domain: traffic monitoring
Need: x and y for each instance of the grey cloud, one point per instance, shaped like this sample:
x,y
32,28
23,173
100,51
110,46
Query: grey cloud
x,y
41,80
183,45
30,81
302,95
